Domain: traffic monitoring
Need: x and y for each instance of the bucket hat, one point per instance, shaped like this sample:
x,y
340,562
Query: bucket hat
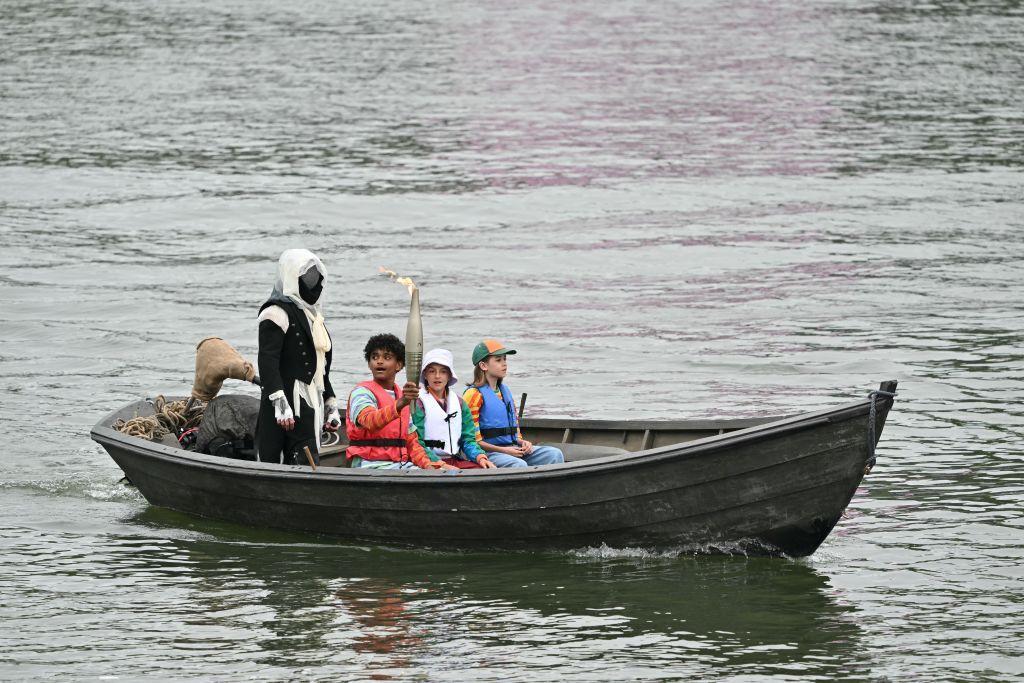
x,y
440,357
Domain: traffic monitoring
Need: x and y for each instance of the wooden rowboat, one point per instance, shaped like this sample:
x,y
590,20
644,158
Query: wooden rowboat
x,y
764,486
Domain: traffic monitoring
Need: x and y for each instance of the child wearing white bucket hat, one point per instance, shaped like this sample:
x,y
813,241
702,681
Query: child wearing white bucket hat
x,y
442,418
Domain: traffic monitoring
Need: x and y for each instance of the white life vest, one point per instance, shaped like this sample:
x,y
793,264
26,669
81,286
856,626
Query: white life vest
x,y
440,425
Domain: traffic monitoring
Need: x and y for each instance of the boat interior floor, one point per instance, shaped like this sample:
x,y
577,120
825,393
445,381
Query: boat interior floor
x,y
575,452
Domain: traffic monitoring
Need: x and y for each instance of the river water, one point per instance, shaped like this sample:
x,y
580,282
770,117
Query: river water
x,y
671,210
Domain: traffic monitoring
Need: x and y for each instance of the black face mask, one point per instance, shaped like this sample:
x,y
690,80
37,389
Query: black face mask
x,y
311,286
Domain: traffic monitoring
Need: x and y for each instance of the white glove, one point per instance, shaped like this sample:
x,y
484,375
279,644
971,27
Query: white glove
x,y
333,419
282,411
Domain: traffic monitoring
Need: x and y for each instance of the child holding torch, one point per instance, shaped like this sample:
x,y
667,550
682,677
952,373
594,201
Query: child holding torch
x,y
380,432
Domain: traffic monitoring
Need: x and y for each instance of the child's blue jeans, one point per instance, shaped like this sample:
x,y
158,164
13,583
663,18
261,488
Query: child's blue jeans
x,y
541,455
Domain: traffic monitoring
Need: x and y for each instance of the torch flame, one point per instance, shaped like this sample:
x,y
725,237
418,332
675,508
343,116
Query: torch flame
x,y
395,277
414,330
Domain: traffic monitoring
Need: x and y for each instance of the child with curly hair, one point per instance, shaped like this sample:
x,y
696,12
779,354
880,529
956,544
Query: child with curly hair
x,y
380,432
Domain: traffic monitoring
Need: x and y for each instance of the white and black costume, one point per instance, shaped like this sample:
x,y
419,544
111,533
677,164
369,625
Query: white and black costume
x,y
294,362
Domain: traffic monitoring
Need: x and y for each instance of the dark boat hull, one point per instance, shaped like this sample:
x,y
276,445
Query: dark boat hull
x,y
778,487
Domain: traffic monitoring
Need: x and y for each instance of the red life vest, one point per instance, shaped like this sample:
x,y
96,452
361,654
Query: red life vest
x,y
387,444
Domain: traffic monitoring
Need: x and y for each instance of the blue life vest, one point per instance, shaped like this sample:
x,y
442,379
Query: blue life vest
x,y
498,423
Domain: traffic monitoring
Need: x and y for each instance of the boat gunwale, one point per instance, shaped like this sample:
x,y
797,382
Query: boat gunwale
x,y
696,425
104,434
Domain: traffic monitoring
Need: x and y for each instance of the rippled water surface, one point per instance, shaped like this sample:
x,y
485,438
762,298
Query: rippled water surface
x,y
670,209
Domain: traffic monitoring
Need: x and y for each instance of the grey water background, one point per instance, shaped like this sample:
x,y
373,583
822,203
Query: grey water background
x,y
671,209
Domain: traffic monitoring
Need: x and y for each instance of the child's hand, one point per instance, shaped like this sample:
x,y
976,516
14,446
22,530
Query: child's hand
x,y
485,463
526,446
410,392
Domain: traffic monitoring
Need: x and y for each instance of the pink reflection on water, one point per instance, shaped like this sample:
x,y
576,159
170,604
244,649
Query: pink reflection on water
x,y
686,291
570,97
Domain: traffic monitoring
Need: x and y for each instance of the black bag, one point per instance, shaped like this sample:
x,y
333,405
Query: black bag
x,y
229,427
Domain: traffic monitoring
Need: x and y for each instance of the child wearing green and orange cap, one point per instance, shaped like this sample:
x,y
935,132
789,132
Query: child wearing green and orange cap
x,y
490,403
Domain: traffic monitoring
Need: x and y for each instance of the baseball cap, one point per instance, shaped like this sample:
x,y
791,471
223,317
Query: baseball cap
x,y
490,347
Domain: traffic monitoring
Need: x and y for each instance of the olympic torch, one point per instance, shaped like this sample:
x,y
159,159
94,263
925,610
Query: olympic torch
x,y
414,339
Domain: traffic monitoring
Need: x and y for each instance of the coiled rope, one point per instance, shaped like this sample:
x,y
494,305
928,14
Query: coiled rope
x,y
872,412
167,418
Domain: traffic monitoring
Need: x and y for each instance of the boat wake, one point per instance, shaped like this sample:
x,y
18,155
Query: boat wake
x,y
97,488
743,547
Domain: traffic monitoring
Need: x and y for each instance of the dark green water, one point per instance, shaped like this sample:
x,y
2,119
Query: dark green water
x,y
670,209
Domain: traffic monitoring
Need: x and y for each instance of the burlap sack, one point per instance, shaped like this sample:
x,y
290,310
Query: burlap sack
x,y
216,361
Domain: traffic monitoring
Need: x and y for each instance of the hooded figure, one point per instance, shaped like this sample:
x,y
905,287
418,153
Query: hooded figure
x,y
294,363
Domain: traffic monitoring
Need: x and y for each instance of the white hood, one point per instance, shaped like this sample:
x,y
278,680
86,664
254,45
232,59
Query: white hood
x,y
290,267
